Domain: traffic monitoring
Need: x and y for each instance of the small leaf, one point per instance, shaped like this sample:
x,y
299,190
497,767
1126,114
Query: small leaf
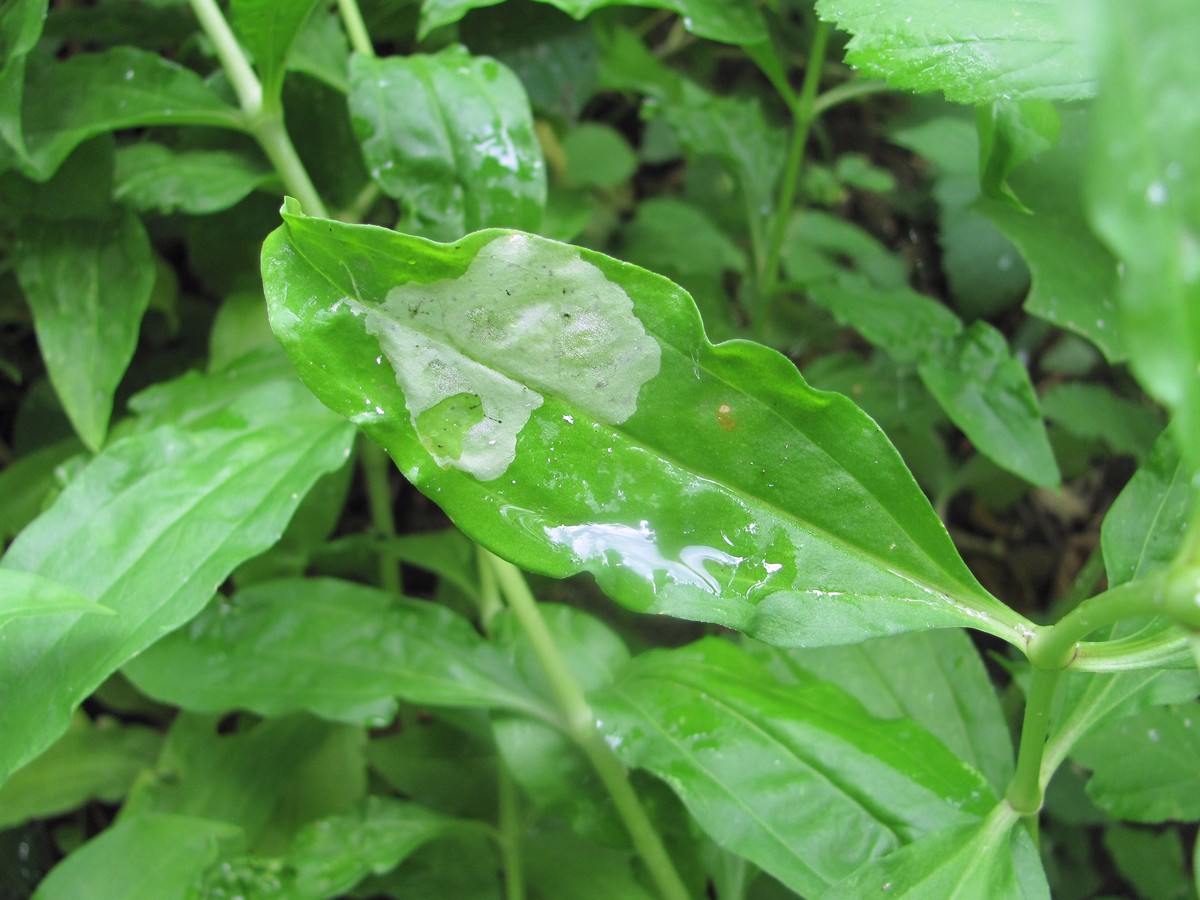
x,y
1143,195
150,528
89,762
598,156
452,136
322,51
175,849
373,647
21,24
1144,528
1144,766
731,21
1074,275
1009,134
1094,411
974,51
993,858
88,283
28,484
268,28
982,387
986,391
685,715
614,438
1151,861
91,93
154,178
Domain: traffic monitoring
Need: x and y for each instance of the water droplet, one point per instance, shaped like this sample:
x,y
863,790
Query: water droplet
x,y
1156,194
1154,736
129,74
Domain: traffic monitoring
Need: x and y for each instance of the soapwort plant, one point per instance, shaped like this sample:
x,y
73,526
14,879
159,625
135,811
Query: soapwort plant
x,y
741,310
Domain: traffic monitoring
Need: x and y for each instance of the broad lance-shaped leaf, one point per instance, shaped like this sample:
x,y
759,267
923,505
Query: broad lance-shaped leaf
x,y
268,28
25,595
65,103
568,412
798,778
451,135
149,529
975,51
255,652
88,284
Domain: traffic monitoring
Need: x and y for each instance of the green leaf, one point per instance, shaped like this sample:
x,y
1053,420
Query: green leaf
x,y
821,246
172,852
332,855
21,24
452,136
234,778
1009,134
28,484
986,391
993,858
1074,275
439,766
753,760
598,156
560,864
322,51
91,93
1094,411
1144,766
730,21
1144,527
88,283
982,386
25,595
1151,861
935,678
150,528
974,51
89,762
268,28
1144,196
605,434
154,178
248,653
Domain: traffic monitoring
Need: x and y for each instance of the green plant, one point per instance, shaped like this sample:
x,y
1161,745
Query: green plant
x,y
211,681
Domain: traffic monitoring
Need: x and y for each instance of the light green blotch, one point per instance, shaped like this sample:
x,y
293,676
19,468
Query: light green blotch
x,y
445,425
528,317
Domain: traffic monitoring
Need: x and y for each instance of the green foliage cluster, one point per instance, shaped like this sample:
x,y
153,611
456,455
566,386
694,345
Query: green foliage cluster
x,y
646,290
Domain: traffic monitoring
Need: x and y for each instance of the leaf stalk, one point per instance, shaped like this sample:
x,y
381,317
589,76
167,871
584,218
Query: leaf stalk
x,y
580,725
356,28
233,59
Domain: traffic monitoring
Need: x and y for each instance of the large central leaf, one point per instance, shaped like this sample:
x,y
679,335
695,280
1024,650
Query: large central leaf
x,y
568,412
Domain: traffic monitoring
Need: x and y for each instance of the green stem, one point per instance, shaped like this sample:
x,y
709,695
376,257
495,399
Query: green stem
x,y
356,28
803,114
1055,646
580,726
490,602
850,90
510,836
245,83
268,129
1025,792
375,469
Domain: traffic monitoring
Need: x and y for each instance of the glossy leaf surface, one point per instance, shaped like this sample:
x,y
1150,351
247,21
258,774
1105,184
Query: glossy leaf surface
x,y
150,528
974,51
255,652
89,762
797,778
451,135
729,21
88,283
66,103
153,177
581,421
993,858
1144,767
935,678
21,24
174,851
1143,192
268,28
